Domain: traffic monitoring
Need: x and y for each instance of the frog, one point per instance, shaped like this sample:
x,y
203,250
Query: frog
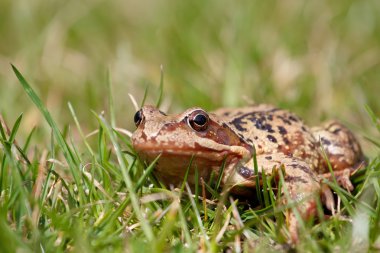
x,y
276,140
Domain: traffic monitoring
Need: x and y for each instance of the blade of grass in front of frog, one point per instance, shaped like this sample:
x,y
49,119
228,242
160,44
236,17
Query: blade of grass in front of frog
x,y
325,157
73,164
145,95
220,176
161,88
146,173
374,118
265,188
196,185
80,129
134,200
270,182
211,190
257,178
204,198
211,180
198,217
187,173
278,210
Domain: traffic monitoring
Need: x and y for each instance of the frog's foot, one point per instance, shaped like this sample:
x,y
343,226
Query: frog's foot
x,y
306,210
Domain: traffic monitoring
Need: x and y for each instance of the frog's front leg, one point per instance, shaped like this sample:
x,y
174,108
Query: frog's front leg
x,y
300,185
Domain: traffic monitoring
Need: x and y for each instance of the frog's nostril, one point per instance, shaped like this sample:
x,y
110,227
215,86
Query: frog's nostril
x,y
138,118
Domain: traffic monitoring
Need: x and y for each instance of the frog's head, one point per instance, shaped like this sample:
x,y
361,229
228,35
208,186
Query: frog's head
x,y
178,138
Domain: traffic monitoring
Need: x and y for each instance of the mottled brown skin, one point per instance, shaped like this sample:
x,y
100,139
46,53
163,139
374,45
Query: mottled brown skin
x,y
279,138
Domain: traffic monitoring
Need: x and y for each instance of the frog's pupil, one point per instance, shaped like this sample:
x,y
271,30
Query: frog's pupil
x,y
200,120
137,118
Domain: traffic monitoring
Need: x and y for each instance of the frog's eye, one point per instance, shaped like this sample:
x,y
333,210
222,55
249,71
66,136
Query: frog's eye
x,y
138,118
198,120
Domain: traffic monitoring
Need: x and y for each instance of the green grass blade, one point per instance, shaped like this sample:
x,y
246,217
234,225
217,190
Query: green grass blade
x,y
80,129
110,100
28,139
61,141
147,172
220,176
132,194
373,117
145,96
257,178
187,173
14,129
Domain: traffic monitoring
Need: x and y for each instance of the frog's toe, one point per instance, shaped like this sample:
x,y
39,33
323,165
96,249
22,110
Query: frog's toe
x,y
327,198
342,178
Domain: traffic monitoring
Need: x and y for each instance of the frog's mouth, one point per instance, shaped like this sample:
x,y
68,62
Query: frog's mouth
x,y
180,154
174,162
172,165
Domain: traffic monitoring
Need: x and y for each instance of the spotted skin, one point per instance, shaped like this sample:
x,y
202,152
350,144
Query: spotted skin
x,y
231,137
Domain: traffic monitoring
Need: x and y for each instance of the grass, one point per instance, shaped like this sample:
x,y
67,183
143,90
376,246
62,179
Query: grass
x,y
99,198
69,179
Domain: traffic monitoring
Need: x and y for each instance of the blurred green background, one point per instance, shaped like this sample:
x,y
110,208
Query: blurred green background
x,y
320,59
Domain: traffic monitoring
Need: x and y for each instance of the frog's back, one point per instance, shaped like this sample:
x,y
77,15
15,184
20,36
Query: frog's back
x,y
272,131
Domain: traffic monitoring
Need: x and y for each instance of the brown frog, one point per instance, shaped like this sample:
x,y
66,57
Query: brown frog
x,y
231,136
